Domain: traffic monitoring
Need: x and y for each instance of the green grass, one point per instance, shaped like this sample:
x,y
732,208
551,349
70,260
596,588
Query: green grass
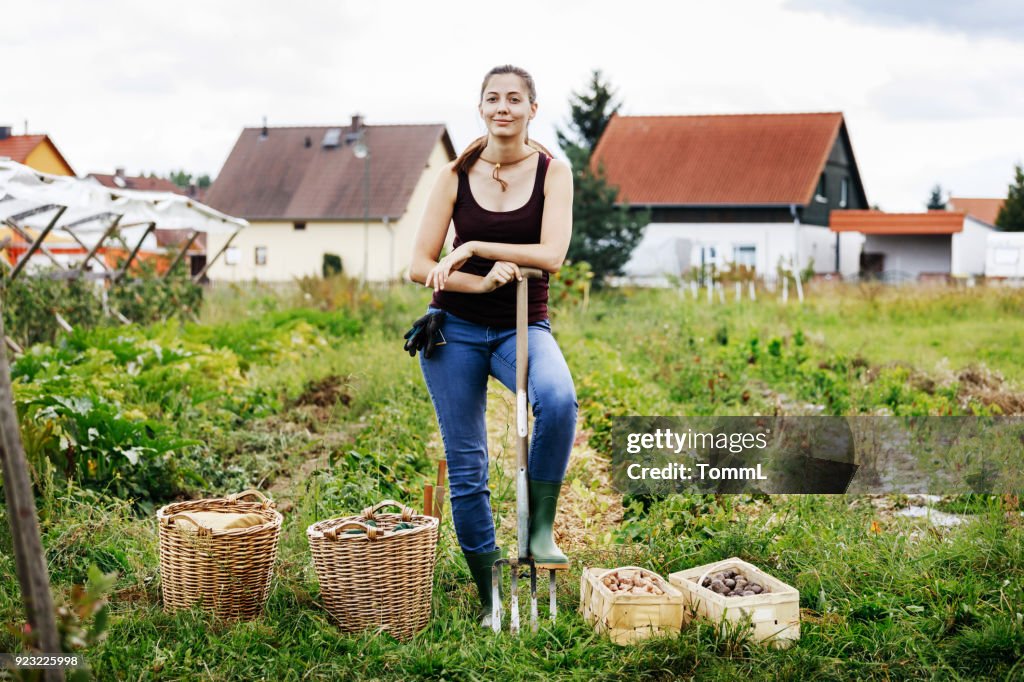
x,y
883,597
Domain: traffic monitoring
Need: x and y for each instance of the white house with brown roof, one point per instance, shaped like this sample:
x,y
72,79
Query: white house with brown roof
x,y
917,246
306,193
749,189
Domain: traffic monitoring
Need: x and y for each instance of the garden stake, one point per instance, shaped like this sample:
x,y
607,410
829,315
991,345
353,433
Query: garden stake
x,y
522,560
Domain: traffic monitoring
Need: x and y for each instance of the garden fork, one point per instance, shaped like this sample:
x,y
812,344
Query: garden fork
x,y
522,558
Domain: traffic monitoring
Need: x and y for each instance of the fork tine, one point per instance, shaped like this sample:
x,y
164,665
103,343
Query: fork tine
x,y
552,600
514,602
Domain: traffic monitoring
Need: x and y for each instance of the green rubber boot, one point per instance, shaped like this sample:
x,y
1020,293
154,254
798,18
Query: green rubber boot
x,y
480,566
543,505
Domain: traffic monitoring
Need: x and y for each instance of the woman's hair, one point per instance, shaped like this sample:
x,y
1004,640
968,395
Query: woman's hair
x,y
476,147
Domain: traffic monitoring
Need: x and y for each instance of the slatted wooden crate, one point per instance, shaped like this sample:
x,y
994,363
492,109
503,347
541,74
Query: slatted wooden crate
x,y
774,615
628,618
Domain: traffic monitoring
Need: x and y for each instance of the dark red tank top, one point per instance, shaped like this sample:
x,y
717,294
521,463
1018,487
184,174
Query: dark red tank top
x,y
519,226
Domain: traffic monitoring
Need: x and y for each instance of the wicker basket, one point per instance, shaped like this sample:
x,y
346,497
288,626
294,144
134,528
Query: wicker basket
x,y
379,578
225,571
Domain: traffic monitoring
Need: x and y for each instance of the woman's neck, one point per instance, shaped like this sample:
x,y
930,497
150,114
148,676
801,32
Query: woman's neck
x,y
504,150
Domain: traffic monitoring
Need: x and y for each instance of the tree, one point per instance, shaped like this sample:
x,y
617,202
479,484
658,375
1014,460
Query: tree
x,y
603,234
184,180
936,202
1011,215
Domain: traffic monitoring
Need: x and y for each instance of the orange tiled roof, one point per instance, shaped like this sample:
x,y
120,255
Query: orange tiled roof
x,y
985,210
18,147
880,222
745,159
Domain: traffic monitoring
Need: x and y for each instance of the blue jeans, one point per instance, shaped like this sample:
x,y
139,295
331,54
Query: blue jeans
x,y
456,377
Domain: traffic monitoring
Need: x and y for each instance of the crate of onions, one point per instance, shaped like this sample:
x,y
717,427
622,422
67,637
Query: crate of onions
x,y
736,591
630,603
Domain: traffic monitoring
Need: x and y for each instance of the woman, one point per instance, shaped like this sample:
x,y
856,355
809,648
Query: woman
x,y
511,204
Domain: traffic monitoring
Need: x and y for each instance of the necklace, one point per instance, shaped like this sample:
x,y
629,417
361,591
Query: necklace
x,y
498,165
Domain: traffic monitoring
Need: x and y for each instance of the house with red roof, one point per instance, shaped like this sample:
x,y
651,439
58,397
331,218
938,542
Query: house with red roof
x,y
35,151
917,246
356,191
749,189
982,209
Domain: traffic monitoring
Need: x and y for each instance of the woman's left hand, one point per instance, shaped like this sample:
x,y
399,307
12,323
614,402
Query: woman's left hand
x,y
438,275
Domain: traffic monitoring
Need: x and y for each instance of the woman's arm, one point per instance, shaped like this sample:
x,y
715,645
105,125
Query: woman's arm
x,y
432,232
555,230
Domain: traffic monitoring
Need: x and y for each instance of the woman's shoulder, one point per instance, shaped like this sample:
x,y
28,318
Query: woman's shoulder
x,y
558,172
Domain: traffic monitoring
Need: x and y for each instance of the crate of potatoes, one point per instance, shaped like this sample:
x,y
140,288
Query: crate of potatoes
x,y
736,591
630,603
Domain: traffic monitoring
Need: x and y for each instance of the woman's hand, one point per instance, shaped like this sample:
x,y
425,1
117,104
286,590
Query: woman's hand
x,y
502,272
438,275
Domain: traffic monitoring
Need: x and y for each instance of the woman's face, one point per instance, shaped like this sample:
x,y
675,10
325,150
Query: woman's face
x,y
505,107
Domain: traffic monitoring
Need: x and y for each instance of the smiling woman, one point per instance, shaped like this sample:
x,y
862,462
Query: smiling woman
x,y
511,205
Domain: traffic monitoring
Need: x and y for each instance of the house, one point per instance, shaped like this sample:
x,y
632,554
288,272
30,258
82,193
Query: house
x,y
982,209
306,194
747,189
36,151
916,246
121,181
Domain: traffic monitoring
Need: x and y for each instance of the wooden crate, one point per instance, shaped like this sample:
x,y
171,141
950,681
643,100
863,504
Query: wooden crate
x,y
628,618
774,617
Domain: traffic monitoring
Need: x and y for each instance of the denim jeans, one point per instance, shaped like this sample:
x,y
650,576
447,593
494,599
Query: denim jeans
x,y
456,377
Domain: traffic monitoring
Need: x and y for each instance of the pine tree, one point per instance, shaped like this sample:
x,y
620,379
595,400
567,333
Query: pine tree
x,y
603,234
1011,215
936,202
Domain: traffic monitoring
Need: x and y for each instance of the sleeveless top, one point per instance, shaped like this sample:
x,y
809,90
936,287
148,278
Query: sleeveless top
x,y
518,226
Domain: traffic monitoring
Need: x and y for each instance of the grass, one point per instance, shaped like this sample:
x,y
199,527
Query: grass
x,y
882,597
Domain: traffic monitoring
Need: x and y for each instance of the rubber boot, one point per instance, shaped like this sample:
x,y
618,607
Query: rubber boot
x,y
543,505
480,566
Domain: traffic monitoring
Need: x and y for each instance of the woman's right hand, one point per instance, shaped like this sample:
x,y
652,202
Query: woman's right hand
x,y
502,272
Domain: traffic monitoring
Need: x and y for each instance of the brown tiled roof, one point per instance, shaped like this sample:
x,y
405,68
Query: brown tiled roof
x,y
18,147
985,210
280,177
880,222
138,182
743,159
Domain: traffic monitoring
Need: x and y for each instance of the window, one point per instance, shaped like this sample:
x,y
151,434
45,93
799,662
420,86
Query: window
x,y
844,193
261,255
707,255
745,256
299,226
232,256
820,195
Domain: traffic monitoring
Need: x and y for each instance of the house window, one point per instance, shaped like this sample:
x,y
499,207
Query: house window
x,y
745,256
261,255
299,226
232,256
820,194
707,255
844,193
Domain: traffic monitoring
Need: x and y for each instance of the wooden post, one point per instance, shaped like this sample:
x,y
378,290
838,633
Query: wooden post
x,y
131,256
198,277
29,559
181,254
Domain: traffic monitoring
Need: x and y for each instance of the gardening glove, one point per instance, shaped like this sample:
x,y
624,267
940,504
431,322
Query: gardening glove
x,y
423,335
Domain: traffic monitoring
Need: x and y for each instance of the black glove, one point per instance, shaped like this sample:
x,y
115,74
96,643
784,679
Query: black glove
x,y
423,335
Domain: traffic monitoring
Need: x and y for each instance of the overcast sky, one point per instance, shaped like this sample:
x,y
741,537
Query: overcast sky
x,y
932,90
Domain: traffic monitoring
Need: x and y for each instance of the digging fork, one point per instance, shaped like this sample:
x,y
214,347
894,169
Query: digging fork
x,y
522,559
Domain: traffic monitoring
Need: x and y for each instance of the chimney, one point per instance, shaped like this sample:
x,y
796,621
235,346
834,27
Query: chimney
x,y
119,172
357,122
264,132
5,132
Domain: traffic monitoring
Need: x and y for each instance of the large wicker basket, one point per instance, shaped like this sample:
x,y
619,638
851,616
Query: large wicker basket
x,y
376,577
224,571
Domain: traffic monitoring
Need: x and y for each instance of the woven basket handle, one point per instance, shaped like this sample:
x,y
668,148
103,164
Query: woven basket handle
x,y
264,500
407,512
714,567
185,516
332,532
